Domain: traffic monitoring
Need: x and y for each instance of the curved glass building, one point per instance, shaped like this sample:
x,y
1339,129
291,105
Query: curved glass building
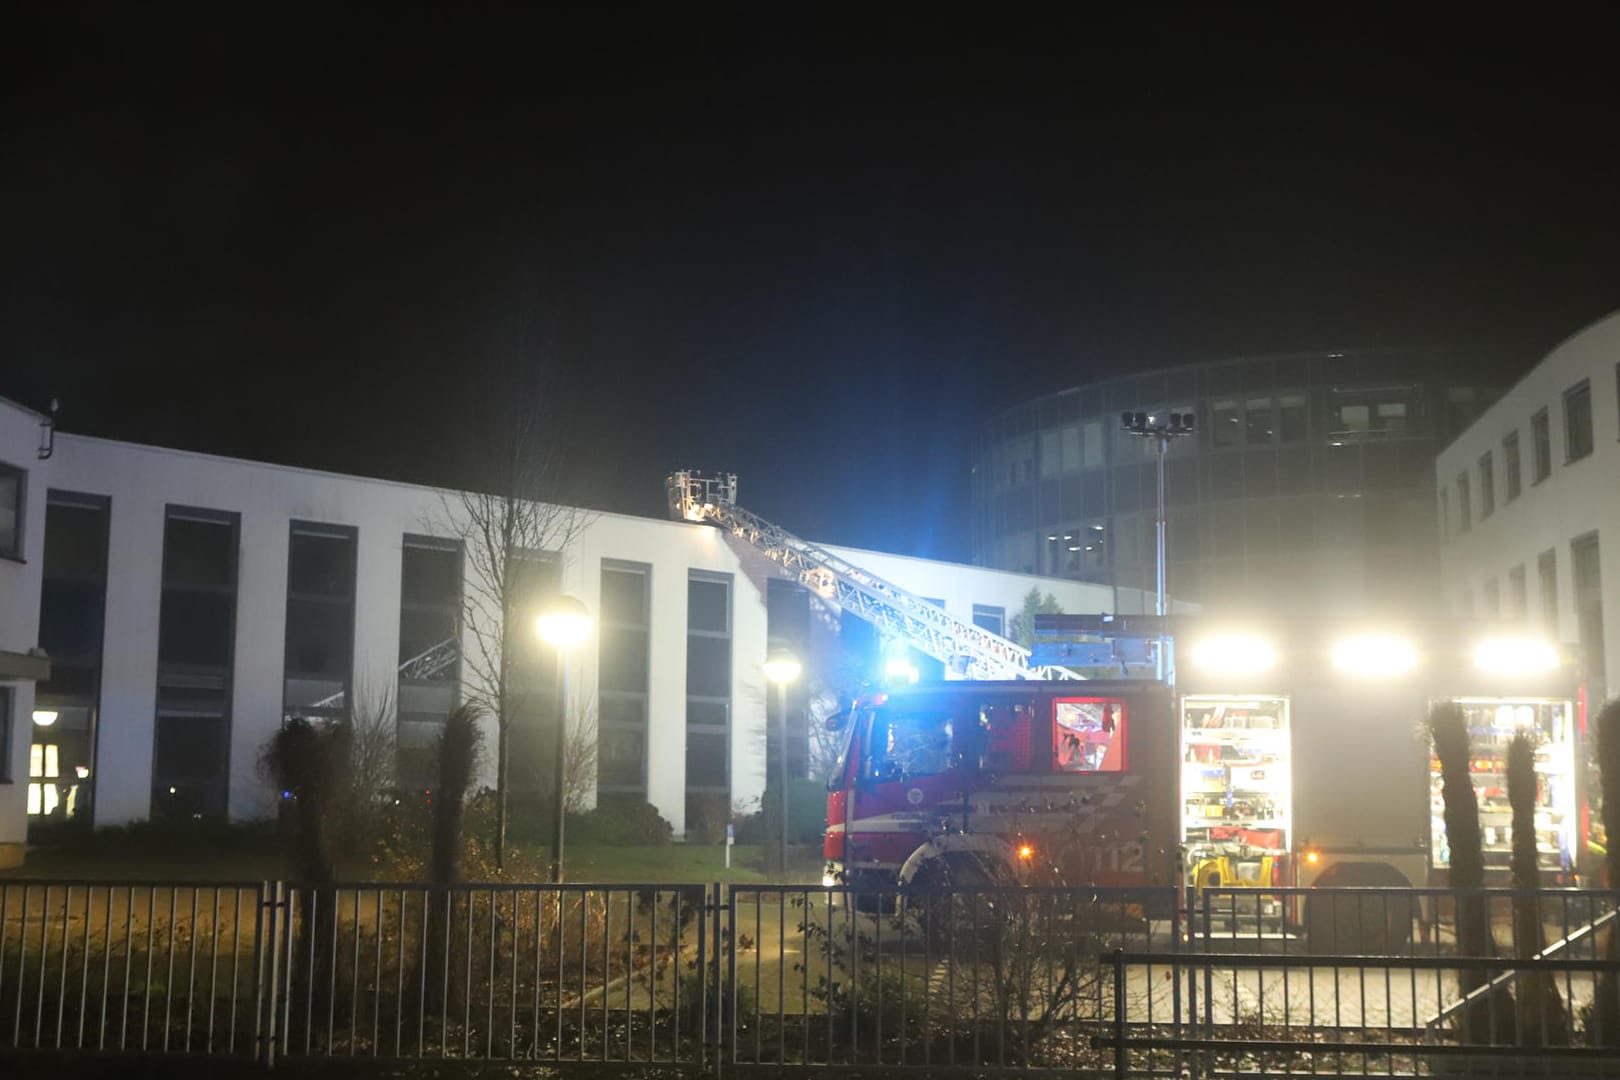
x,y
1308,484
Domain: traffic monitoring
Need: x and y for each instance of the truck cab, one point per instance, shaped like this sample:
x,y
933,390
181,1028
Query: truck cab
x,y
984,782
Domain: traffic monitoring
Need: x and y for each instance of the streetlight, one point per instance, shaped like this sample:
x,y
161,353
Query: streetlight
x,y
1161,429
781,668
563,624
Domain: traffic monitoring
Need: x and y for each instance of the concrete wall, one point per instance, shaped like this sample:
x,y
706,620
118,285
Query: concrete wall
x,y
1576,499
19,621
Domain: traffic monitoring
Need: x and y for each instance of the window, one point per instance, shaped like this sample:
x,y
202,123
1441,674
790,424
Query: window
x,y
708,606
1589,604
429,651
623,676
1291,422
1093,542
44,770
955,733
1088,735
1051,453
1093,443
1257,421
787,624
318,663
708,681
1354,419
1510,465
1518,593
1487,486
1072,457
1578,421
1540,447
1389,416
196,638
991,618
73,591
1227,424
533,577
706,759
621,759
1465,507
1547,572
71,629
11,511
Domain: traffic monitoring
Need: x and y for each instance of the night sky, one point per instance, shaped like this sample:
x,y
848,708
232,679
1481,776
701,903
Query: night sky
x,y
814,245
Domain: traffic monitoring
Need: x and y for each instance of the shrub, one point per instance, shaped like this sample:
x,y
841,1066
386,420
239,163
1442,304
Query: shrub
x,y
807,816
707,817
458,761
620,821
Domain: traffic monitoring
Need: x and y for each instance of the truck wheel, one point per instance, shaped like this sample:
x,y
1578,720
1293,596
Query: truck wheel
x,y
1371,923
953,902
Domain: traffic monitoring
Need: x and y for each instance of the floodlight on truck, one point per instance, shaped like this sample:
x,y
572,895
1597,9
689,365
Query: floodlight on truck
x,y
1235,654
1374,655
1516,656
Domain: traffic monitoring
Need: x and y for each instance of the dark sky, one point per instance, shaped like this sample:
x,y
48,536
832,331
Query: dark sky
x,y
811,244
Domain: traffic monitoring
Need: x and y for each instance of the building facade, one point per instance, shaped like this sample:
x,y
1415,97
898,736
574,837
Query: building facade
x,y
1529,503
1309,481
188,603
22,536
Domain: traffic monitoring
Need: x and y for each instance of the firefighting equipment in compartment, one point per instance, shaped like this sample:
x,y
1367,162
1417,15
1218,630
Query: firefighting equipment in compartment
x,y
1220,872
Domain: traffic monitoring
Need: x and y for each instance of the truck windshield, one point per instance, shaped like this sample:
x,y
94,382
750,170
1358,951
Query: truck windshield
x,y
907,744
841,767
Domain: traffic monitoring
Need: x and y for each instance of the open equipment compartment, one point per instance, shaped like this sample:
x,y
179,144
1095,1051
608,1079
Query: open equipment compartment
x,y
1236,788
1492,724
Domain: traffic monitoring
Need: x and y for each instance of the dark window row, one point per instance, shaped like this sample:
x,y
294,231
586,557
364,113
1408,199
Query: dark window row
x,y
708,682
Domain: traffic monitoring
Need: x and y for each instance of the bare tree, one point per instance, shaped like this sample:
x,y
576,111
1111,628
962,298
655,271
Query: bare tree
x,y
515,535
373,744
1542,1021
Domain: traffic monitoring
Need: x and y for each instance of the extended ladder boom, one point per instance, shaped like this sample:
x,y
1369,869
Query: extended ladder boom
x,y
701,497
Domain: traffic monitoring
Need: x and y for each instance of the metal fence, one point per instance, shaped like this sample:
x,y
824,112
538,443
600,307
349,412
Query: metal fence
x,y
994,978
540,973
165,967
703,978
1315,981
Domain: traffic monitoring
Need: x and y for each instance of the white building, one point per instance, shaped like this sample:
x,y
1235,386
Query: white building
x,y
22,536
1530,503
188,602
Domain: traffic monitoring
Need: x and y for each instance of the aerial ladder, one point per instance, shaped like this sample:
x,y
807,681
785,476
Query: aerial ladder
x,y
966,650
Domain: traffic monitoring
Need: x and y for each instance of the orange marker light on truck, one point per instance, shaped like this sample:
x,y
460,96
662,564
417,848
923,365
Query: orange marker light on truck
x,y
1025,851
1312,857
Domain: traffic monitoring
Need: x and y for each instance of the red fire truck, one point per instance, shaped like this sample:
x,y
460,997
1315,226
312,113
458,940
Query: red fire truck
x,y
1287,752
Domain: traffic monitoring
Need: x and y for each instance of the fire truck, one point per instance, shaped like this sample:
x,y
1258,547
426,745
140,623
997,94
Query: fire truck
x,y
1278,752
1285,752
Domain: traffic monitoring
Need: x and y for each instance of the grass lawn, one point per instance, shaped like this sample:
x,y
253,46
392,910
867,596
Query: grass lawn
x,y
682,863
